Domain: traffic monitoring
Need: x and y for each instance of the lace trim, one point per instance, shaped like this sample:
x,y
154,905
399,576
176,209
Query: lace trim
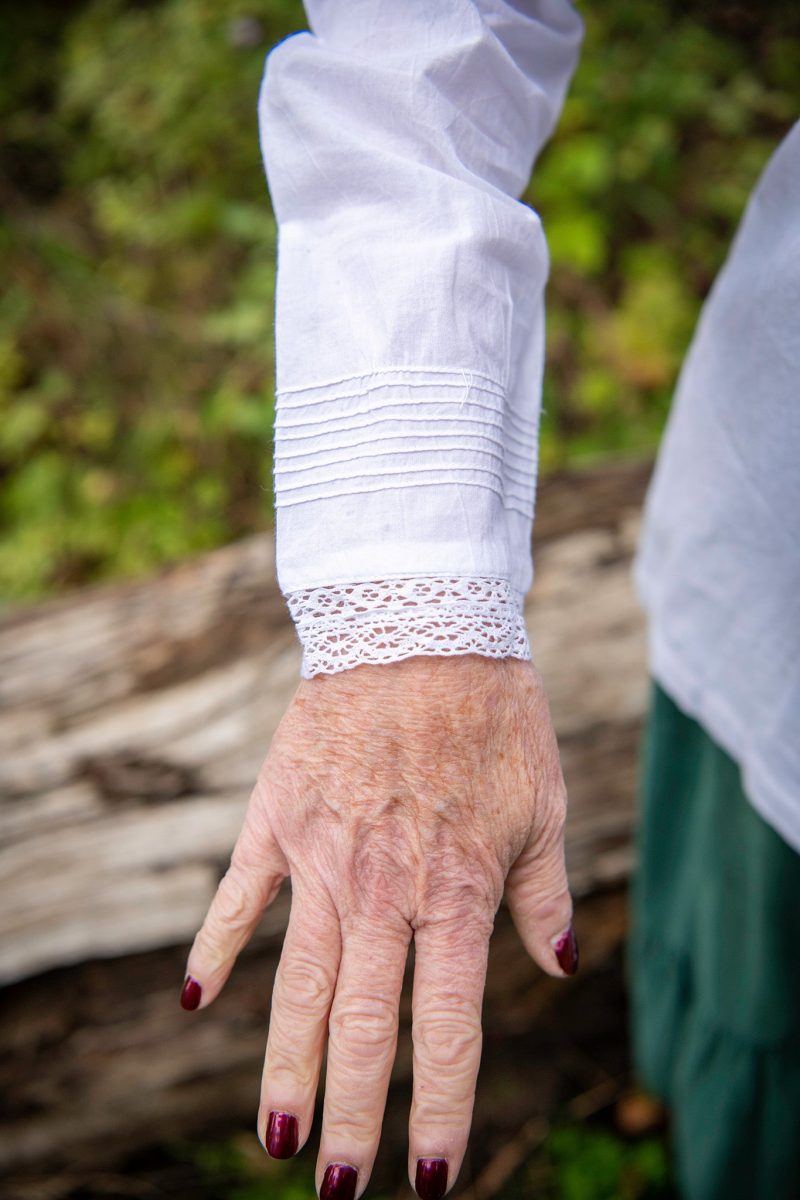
x,y
379,621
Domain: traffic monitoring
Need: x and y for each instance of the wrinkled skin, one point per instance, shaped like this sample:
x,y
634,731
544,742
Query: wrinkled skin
x,y
402,799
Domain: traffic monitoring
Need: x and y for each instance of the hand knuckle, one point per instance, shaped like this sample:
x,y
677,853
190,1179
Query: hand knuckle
x,y
552,903
363,1029
255,846
350,1125
305,984
211,945
282,1064
554,829
448,1041
465,908
550,831
380,882
245,858
233,907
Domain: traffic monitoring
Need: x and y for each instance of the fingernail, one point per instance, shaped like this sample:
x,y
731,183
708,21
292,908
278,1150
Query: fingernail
x,y
191,994
339,1182
431,1181
566,951
282,1135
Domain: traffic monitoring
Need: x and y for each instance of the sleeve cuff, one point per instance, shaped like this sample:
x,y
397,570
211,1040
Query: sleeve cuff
x,y
341,625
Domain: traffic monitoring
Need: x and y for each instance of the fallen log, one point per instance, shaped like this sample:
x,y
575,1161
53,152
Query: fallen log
x,y
135,719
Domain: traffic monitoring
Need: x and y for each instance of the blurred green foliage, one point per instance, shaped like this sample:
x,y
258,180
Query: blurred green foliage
x,y
137,248
674,111
575,1162
239,1169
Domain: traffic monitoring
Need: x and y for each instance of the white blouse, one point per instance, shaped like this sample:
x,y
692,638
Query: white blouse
x,y
718,561
397,139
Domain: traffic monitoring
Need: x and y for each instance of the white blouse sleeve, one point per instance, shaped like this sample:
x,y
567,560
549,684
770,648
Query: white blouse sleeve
x,y
397,137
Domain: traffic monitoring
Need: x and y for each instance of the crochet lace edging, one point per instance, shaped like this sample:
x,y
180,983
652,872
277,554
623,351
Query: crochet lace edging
x,y
380,621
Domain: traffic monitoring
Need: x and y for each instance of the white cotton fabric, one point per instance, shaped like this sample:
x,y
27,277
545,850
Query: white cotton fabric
x,y
718,561
397,139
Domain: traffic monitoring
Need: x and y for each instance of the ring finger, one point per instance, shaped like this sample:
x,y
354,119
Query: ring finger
x,y
362,1043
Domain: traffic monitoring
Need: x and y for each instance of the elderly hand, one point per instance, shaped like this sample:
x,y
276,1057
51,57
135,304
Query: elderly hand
x,y
401,798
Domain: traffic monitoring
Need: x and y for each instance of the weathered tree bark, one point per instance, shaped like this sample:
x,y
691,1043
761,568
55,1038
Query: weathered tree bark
x,y
134,721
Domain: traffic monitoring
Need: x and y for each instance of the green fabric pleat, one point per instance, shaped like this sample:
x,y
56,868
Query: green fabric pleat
x,y
714,967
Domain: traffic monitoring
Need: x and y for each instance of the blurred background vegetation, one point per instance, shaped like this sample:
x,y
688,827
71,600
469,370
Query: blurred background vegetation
x,y
137,244
136,347
572,1163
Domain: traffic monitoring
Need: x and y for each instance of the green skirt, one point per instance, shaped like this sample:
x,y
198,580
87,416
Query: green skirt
x,y
714,967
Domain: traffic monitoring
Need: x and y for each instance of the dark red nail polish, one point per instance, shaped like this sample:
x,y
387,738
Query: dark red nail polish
x,y
566,950
191,994
282,1135
339,1182
431,1181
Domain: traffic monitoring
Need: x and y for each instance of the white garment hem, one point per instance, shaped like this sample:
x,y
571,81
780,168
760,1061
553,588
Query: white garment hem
x,y
386,620
685,687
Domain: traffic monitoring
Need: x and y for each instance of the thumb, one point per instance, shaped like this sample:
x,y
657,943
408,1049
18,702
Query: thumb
x,y
539,900
251,883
